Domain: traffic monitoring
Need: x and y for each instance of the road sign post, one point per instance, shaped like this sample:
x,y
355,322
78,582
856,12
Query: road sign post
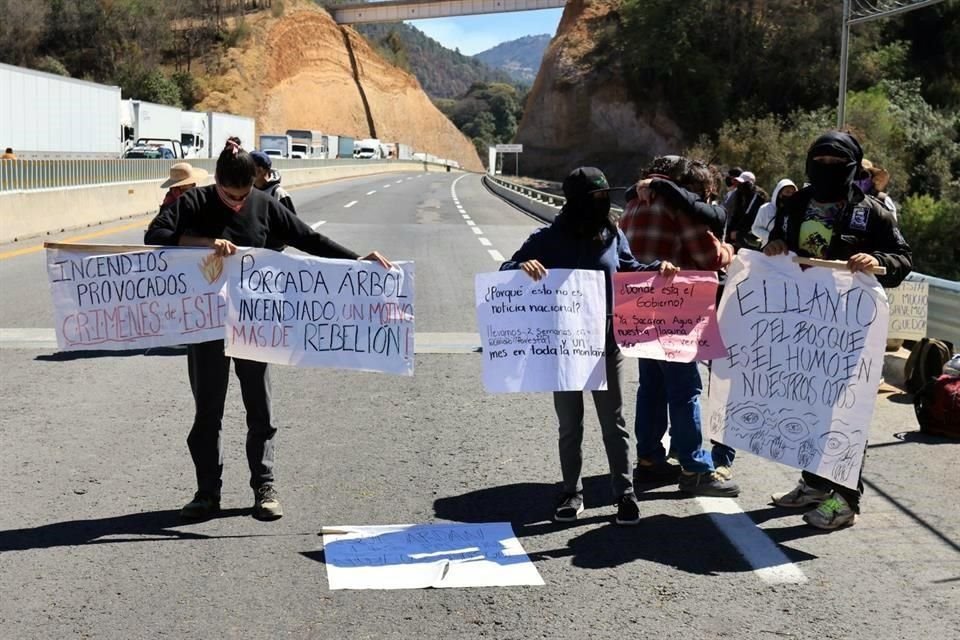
x,y
516,149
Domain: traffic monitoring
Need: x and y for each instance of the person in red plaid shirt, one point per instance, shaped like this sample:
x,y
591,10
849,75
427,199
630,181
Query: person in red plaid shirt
x,y
664,222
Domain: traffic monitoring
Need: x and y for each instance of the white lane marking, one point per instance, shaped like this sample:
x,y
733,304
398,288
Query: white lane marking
x,y
370,193
387,186
471,223
477,231
317,224
349,204
465,216
769,563
496,255
485,242
399,181
425,342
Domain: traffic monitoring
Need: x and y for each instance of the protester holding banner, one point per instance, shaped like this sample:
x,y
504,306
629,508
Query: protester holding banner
x,y
221,216
832,219
585,236
658,230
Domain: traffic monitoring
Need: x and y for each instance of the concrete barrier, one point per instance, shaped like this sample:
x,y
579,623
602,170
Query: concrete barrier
x,y
34,213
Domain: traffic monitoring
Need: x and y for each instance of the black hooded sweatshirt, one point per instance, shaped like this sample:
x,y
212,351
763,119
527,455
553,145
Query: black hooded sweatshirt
x,y
863,224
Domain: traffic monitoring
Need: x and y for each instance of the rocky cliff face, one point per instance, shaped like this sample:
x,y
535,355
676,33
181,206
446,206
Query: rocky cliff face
x,y
578,114
301,71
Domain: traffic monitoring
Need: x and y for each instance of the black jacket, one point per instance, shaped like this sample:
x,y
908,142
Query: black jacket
x,y
261,222
864,226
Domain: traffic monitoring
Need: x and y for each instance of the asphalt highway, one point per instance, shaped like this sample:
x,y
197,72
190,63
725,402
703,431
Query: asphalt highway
x,y
97,468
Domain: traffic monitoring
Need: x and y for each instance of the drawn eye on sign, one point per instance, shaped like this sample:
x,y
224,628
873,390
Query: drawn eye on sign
x,y
796,428
747,417
834,443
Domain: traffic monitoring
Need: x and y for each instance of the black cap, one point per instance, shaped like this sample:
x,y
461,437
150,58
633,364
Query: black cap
x,y
583,181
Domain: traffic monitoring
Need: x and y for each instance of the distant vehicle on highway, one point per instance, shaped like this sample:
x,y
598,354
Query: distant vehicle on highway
x,y
204,133
276,142
145,120
307,144
368,149
149,153
273,153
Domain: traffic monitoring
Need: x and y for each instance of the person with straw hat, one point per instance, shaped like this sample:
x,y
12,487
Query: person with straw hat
x,y
183,177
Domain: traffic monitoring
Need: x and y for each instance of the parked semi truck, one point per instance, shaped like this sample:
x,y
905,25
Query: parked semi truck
x,y
345,147
368,149
307,144
44,115
143,120
276,145
204,134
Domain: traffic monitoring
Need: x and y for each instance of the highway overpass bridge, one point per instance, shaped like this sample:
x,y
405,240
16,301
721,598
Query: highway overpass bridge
x,y
399,10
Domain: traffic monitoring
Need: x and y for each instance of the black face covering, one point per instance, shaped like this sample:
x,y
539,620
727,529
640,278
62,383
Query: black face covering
x,y
831,182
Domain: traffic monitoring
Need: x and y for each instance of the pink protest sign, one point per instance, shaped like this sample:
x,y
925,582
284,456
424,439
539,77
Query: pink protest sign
x,y
667,319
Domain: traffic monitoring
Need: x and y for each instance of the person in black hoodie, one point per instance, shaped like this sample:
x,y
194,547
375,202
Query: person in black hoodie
x,y
584,235
221,216
832,219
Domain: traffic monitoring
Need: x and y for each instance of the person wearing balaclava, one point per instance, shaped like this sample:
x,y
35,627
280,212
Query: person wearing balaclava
x,y
221,217
584,236
832,219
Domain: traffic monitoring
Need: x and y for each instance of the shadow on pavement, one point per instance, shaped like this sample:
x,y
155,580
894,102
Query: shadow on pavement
x,y
66,356
694,543
914,437
140,527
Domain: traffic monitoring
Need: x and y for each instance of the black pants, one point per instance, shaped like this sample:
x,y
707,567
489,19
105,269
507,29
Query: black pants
x,y
209,371
852,496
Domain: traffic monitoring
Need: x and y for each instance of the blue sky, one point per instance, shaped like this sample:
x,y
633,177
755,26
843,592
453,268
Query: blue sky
x,y
473,34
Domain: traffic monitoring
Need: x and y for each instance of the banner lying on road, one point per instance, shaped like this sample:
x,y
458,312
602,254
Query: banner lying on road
x,y
908,310
128,297
542,336
441,555
804,357
667,319
313,312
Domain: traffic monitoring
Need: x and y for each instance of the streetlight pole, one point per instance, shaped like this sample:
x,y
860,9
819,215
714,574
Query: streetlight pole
x,y
844,61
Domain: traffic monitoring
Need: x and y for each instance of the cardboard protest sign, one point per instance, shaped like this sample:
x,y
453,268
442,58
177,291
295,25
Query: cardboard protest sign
x,y
128,297
433,555
804,357
667,319
542,336
314,312
908,310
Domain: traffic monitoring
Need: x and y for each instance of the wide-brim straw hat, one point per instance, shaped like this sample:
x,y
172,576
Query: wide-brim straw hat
x,y
879,175
184,173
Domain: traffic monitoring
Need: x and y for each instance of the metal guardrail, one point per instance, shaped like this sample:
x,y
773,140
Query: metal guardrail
x,y
943,302
17,176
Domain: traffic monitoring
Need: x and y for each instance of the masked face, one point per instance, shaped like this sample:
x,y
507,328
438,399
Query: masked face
x,y
598,209
233,197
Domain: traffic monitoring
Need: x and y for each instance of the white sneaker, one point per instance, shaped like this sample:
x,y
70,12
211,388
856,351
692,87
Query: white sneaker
x,y
833,513
802,495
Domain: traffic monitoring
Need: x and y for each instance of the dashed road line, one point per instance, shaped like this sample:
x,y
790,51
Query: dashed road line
x,y
465,216
496,255
471,223
477,231
317,224
349,204
387,186
485,242
370,193
399,181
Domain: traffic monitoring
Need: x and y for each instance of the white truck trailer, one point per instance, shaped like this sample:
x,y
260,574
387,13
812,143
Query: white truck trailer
x,y
307,144
368,149
204,134
46,115
147,120
276,145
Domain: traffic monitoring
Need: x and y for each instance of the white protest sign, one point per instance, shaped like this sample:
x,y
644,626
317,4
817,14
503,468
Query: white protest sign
x,y
410,556
908,310
123,297
314,312
542,336
804,356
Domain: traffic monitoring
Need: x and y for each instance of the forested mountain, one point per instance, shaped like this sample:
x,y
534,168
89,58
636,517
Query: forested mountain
x,y
442,73
520,58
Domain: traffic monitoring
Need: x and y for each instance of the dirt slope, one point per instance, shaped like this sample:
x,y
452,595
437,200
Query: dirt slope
x,y
295,72
579,114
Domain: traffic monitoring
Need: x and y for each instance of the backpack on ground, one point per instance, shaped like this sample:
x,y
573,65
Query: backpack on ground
x,y
926,363
938,407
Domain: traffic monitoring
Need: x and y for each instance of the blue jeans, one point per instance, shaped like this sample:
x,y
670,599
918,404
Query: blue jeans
x,y
672,388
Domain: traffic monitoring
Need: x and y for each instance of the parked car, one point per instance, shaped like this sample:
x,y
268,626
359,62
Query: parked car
x,y
149,153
